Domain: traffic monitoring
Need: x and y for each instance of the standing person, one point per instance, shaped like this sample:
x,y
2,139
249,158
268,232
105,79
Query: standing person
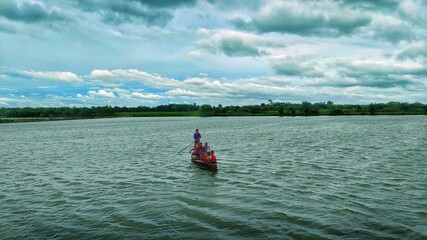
x,y
197,137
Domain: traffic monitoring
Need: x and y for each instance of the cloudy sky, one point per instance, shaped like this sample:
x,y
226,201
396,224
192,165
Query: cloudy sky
x,y
230,52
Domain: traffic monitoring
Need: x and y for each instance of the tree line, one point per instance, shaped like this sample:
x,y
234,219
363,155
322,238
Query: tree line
x,y
269,108
313,109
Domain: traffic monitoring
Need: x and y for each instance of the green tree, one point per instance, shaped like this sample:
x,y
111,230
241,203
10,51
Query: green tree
x,y
305,107
309,109
206,110
404,107
281,110
336,111
372,108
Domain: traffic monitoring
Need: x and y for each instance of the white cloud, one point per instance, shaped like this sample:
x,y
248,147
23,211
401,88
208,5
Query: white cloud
x,y
3,77
119,96
182,93
196,81
67,77
4,101
122,75
101,93
147,96
415,51
385,67
8,101
102,74
195,55
46,87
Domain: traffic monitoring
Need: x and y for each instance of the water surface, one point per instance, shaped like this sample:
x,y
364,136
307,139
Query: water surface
x,y
360,177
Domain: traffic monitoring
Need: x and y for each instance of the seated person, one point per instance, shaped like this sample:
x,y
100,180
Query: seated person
x,y
207,157
206,148
213,157
198,150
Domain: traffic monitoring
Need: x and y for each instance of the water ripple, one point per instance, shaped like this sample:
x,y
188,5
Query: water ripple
x,y
278,178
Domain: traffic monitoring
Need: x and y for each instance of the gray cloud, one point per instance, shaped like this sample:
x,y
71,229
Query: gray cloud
x,y
149,12
393,33
416,51
298,20
298,66
167,3
366,80
348,73
381,69
237,4
237,47
236,44
29,12
380,74
131,12
393,21
171,4
414,11
7,28
377,5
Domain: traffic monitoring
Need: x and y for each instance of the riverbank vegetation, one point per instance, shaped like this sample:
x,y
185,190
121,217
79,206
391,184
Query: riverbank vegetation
x,y
175,110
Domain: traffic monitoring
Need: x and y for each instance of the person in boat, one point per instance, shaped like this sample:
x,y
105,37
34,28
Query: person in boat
x,y
212,157
198,150
207,157
197,137
206,148
202,154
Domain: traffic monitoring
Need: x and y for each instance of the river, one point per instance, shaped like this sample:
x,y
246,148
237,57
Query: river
x,y
356,177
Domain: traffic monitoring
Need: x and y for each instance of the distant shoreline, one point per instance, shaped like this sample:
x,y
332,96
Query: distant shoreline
x,y
42,119
283,109
172,114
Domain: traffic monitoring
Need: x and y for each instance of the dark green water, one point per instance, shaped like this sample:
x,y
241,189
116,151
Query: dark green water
x,y
279,178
